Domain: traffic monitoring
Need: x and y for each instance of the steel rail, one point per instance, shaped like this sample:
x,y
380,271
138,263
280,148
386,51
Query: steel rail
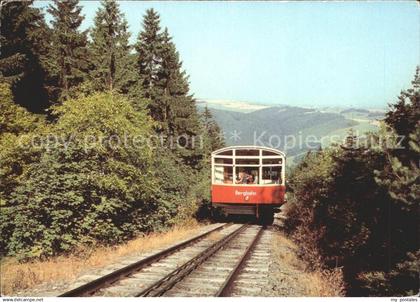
x,y
158,288
91,287
226,287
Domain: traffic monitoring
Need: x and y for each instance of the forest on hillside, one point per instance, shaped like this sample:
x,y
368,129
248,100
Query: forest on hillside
x,y
354,207
100,140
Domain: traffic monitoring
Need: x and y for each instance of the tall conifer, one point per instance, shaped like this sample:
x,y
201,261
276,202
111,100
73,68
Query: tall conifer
x,y
22,39
69,62
166,86
113,67
180,113
149,47
212,130
404,116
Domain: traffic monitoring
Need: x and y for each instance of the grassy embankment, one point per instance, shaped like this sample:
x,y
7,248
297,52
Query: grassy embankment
x,y
17,276
311,282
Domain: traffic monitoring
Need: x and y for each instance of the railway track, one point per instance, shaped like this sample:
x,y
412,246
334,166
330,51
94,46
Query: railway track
x,y
229,260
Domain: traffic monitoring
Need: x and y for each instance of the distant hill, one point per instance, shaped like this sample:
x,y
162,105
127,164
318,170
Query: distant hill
x,y
238,106
355,110
279,126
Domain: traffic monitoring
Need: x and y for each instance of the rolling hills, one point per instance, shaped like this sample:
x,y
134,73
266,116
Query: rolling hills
x,y
292,129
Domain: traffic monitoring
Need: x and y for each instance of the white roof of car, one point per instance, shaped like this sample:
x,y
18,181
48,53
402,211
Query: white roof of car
x,y
250,147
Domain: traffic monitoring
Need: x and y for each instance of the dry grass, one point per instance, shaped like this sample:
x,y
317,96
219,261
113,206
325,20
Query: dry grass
x,y
17,276
314,283
327,283
288,258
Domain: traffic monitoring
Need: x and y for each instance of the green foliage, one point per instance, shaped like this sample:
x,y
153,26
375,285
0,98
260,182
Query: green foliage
x,y
341,216
82,190
14,119
22,38
176,180
202,195
112,65
404,115
401,280
166,85
357,207
15,124
402,181
401,175
68,55
79,175
148,47
308,186
175,108
212,131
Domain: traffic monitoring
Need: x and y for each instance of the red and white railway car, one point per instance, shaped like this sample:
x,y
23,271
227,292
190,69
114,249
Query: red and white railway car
x,y
248,180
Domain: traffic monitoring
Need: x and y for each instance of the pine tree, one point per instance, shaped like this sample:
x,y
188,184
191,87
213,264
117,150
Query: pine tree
x,y
113,67
403,181
180,113
148,47
404,116
68,62
22,39
165,90
165,84
212,130
401,175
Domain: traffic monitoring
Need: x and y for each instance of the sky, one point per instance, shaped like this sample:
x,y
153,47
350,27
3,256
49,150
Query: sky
x,y
358,54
